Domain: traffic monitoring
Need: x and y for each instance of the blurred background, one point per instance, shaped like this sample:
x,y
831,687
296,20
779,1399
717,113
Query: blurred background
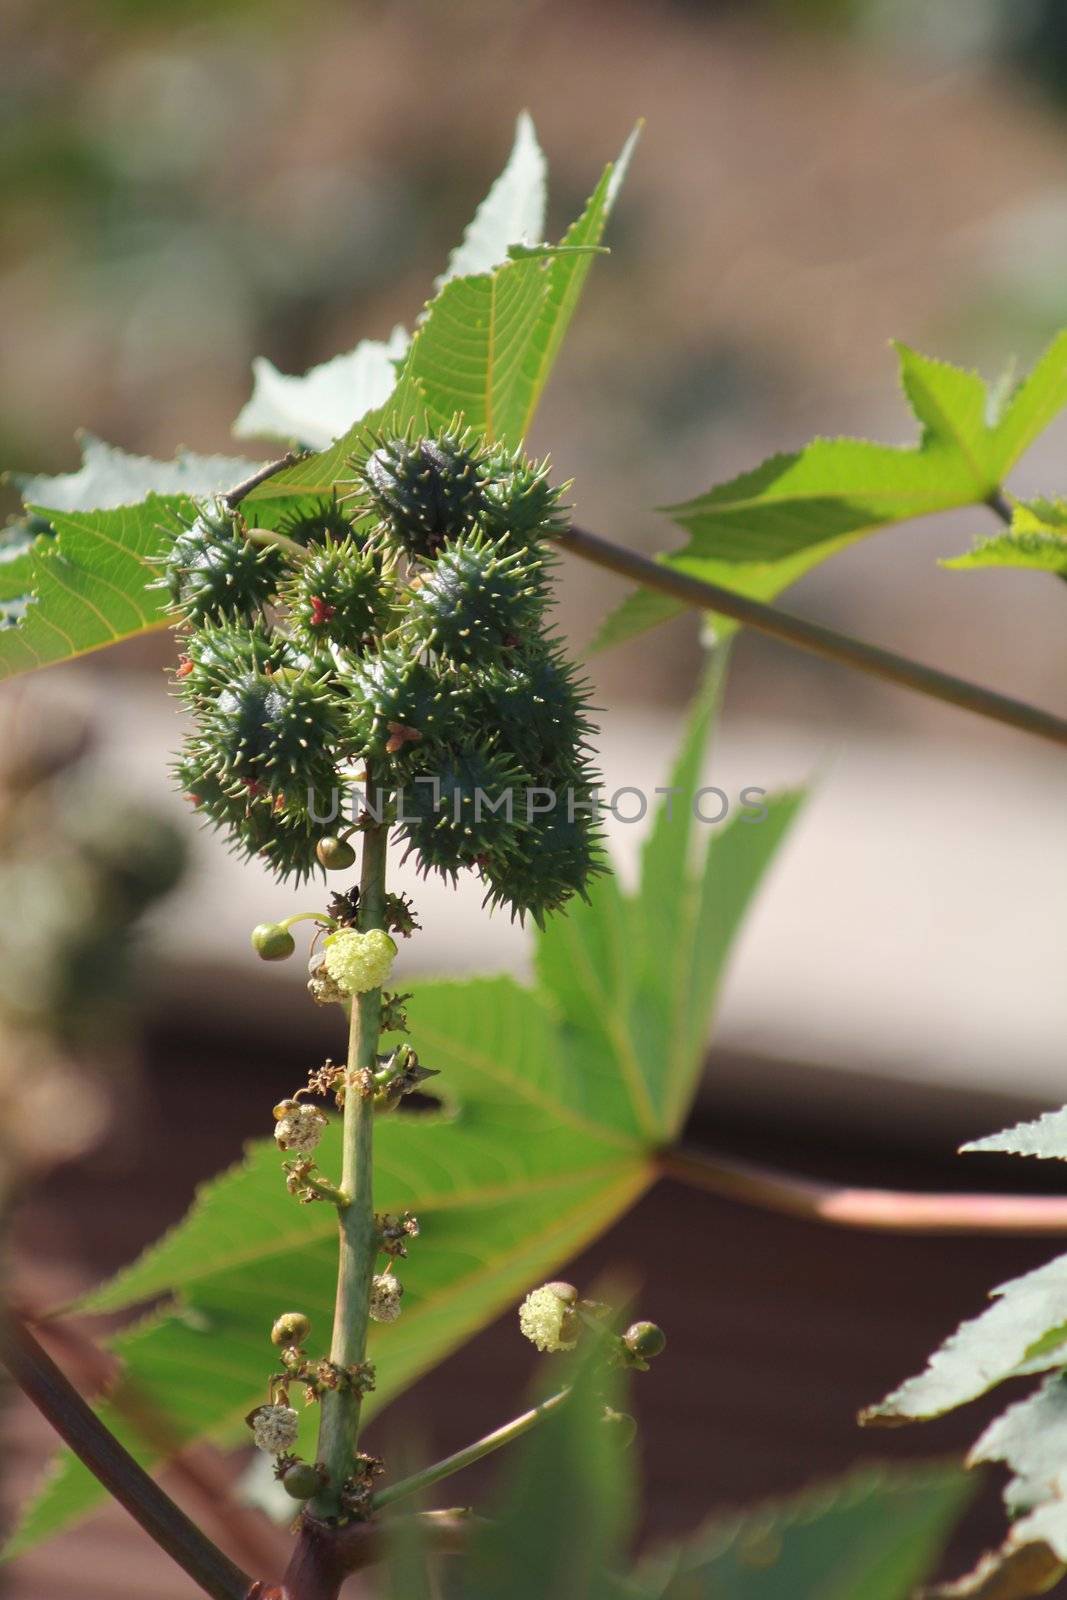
x,y
182,192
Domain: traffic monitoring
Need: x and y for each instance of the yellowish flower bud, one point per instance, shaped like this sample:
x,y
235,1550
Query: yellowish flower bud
x,y
357,961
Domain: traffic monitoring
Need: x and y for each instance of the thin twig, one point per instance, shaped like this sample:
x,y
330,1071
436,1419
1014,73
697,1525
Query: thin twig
x,y
813,637
882,1210
77,1424
473,1452
233,497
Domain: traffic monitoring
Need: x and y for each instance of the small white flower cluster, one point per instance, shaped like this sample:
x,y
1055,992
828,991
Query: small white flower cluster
x,y
547,1321
358,961
385,1294
300,1129
274,1429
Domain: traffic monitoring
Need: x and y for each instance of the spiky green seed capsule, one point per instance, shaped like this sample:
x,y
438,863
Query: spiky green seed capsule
x,y
280,833
273,733
560,859
467,808
536,706
427,491
396,706
317,523
215,655
213,573
520,504
470,688
272,942
477,600
336,597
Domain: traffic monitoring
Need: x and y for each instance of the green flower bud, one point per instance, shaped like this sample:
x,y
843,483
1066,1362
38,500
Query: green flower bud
x,y
335,855
358,962
272,942
292,1327
645,1340
302,1480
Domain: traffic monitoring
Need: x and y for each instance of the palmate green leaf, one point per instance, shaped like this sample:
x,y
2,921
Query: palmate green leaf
x,y
491,340
551,1131
636,978
92,583
1024,1332
17,543
760,532
871,1536
1037,539
1030,1438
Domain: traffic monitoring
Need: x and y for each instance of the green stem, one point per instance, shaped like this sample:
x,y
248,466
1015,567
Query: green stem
x,y
308,916
474,1452
322,1189
358,1235
280,541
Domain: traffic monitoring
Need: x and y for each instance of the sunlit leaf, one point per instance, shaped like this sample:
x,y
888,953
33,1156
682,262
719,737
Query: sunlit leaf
x,y
92,585
1037,539
761,531
1046,1137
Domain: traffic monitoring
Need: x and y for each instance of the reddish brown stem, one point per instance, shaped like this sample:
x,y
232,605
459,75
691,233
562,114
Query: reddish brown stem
x,y
813,637
196,1470
234,496
325,1556
883,1210
77,1424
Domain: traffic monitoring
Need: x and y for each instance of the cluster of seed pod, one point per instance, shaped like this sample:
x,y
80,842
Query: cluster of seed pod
x,y
406,627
